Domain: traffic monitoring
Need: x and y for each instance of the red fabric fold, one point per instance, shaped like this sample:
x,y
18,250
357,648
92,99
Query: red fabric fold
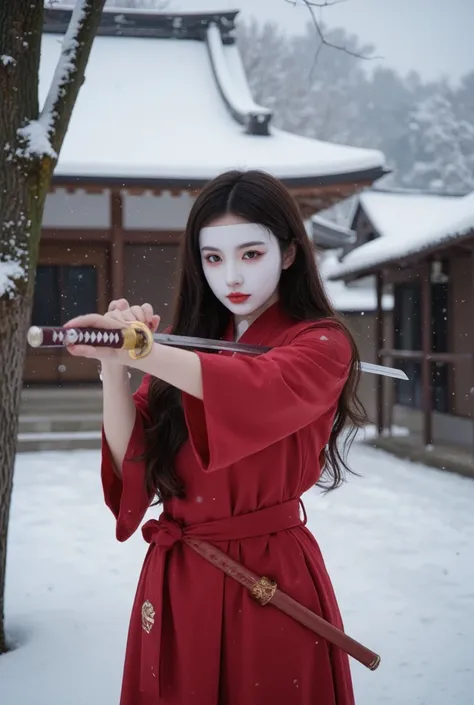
x,y
162,535
250,403
125,494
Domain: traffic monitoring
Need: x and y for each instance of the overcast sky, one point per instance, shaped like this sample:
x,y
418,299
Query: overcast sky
x,y
433,37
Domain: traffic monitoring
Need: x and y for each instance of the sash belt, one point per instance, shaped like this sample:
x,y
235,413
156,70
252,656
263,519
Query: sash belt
x,y
165,532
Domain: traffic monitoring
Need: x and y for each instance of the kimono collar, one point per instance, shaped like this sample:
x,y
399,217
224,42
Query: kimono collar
x,y
266,326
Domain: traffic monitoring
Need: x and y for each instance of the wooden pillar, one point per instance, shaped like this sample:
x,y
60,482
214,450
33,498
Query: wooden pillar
x,y
117,250
379,337
427,336
472,347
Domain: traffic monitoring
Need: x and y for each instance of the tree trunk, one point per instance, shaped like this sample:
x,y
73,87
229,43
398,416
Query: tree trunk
x,y
14,321
20,216
29,147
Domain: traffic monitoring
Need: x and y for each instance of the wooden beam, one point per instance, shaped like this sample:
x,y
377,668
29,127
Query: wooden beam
x,y
427,336
379,321
148,237
153,237
334,189
76,235
433,357
117,250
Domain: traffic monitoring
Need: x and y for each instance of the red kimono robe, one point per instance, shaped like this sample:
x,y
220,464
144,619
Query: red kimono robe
x,y
196,636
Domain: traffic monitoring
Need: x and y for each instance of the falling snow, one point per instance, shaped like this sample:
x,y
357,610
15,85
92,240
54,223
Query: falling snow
x,y
398,543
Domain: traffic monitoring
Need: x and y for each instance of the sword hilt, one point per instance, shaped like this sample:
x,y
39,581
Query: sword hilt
x,y
137,339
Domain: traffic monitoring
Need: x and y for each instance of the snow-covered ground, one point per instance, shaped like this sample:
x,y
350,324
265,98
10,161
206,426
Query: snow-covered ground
x,y
399,544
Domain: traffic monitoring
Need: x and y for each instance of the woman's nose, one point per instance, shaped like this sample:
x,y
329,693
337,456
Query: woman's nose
x,y
233,276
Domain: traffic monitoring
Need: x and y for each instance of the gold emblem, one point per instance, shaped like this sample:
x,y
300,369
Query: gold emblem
x,y
148,616
263,590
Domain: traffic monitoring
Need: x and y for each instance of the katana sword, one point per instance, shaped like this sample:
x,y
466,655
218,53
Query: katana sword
x,y
135,338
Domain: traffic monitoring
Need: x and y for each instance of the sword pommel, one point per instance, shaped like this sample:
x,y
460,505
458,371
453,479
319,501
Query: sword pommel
x,y
35,337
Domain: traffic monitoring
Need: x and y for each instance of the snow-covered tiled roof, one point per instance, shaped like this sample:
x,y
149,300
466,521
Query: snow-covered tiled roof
x,y
407,223
166,99
327,234
360,297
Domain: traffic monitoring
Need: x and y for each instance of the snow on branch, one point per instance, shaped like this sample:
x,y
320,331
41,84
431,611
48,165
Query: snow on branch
x,y
5,59
10,272
45,136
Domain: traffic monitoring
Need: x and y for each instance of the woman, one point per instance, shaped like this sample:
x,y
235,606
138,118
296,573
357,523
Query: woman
x,y
219,438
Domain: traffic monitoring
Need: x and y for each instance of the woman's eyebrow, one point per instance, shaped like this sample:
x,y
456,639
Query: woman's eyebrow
x,y
254,243
251,244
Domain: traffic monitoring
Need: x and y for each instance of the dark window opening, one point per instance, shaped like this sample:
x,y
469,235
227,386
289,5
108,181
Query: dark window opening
x,y
408,336
63,292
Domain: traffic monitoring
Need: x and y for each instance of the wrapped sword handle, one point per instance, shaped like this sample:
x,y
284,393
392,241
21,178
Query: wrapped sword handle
x,y
137,339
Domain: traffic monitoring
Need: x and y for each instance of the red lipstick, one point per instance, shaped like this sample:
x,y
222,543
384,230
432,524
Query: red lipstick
x,y
236,298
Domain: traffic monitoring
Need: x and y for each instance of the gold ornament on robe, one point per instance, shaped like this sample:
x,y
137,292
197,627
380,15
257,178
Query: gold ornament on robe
x,y
263,590
148,616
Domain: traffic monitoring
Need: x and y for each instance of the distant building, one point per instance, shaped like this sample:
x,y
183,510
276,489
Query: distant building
x,y
420,247
164,108
356,301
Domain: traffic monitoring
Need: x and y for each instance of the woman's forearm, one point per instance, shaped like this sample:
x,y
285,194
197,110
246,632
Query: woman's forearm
x,y
180,368
119,411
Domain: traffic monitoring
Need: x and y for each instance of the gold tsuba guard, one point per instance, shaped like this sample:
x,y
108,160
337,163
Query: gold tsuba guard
x,y
142,342
263,590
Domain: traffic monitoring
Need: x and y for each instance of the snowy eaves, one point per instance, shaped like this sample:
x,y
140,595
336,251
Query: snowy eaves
x,y
359,298
154,109
327,234
407,224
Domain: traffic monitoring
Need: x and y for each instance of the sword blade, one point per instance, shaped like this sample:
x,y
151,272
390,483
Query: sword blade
x,y
183,341
383,370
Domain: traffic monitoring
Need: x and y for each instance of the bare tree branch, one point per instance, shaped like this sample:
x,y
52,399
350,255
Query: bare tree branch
x,y
68,77
311,5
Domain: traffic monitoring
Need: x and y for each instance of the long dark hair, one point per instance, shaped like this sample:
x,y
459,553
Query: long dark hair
x,y
259,198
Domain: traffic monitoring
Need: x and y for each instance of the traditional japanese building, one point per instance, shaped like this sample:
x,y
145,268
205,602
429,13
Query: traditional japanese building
x,y
165,107
356,301
420,248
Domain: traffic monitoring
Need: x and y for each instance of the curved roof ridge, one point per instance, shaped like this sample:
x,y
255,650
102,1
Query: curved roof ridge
x,y
240,103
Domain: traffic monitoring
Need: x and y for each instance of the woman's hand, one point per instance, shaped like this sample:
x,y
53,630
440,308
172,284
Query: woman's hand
x,y
119,315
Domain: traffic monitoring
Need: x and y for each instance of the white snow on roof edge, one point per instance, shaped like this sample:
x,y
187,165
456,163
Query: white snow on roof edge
x,y
346,298
332,225
119,127
456,222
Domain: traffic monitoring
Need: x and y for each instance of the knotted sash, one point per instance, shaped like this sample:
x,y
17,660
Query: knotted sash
x,y
164,533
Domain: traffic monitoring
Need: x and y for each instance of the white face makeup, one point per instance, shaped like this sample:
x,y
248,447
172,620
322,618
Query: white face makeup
x,y
242,264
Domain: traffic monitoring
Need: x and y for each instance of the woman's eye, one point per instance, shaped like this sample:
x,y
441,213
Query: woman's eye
x,y
252,254
212,259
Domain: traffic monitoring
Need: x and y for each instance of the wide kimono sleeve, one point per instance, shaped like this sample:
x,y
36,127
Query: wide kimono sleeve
x,y
125,494
250,403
